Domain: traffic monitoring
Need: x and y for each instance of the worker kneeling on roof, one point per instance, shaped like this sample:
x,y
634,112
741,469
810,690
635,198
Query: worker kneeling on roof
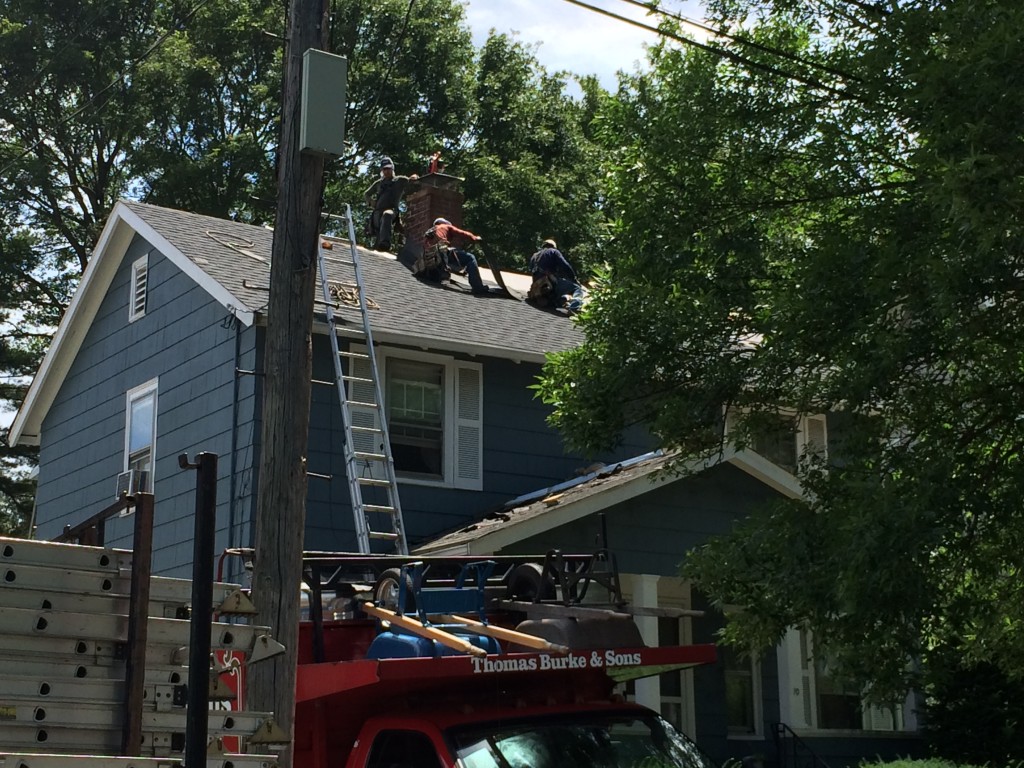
x,y
554,280
440,251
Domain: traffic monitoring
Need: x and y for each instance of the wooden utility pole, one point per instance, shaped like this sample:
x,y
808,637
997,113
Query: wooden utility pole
x,y
281,505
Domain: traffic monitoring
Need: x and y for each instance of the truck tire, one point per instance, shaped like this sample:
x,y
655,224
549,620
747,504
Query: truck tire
x,y
385,590
527,583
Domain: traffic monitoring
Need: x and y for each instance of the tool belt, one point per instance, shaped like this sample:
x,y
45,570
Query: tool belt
x,y
433,262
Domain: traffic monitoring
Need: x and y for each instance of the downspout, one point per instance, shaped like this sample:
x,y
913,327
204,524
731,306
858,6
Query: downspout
x,y
233,462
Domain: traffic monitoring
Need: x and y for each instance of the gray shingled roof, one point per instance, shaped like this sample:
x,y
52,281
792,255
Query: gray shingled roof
x,y
238,257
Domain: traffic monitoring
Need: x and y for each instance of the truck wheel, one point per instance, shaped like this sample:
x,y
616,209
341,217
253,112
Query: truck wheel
x,y
527,583
385,591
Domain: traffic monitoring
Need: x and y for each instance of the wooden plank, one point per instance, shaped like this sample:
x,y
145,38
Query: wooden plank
x,y
418,628
508,635
69,586
48,691
37,760
109,719
113,627
74,556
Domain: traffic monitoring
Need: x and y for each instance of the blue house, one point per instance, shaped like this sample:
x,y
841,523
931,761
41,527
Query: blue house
x,y
161,354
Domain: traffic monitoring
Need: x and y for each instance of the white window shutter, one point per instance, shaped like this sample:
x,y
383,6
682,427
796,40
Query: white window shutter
x,y
362,392
469,403
815,436
878,718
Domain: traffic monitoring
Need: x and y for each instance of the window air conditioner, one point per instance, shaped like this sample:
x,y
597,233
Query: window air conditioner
x,y
131,482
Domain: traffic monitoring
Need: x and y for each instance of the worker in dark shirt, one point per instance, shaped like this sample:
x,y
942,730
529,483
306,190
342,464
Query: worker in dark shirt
x,y
383,198
554,280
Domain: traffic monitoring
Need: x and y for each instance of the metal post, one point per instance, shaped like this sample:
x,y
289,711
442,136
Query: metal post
x,y
198,712
138,625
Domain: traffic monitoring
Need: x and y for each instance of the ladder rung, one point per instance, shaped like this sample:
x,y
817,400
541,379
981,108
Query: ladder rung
x,y
369,456
342,297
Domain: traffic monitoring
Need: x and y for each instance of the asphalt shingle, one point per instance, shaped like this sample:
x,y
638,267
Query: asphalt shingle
x,y
237,256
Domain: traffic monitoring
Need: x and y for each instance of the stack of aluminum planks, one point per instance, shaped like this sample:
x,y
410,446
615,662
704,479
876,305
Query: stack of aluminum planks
x,y
63,631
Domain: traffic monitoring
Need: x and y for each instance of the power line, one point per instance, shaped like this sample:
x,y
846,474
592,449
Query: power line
x,y
117,80
721,52
387,74
746,41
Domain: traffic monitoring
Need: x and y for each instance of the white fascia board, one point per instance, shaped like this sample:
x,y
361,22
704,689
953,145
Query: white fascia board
x,y
99,272
769,473
121,227
219,293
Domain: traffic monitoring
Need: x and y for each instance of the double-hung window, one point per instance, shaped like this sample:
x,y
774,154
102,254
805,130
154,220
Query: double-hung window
x,y
434,410
742,693
140,431
819,700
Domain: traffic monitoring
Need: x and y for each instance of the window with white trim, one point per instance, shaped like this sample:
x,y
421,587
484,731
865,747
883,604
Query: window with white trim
x,y
139,288
434,408
140,430
820,701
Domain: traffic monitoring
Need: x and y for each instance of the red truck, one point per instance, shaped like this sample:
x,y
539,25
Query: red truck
x,y
467,669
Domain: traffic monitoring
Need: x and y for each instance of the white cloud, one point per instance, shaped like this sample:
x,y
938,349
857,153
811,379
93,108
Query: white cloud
x,y
571,37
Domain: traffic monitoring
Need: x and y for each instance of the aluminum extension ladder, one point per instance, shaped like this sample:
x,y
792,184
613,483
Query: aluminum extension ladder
x,y
369,464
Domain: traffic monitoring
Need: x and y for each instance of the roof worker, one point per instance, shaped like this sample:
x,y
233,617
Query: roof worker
x,y
554,280
439,250
383,198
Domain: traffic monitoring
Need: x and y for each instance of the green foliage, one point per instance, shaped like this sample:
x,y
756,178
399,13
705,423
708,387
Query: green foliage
x,y
410,68
531,167
178,104
853,246
972,711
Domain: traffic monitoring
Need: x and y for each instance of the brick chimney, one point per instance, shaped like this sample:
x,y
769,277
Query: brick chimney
x,y
437,196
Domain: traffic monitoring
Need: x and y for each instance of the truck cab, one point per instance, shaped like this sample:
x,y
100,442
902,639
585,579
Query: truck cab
x,y
570,736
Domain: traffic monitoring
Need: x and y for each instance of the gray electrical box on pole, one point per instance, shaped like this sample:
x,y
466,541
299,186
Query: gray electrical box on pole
x,y
324,89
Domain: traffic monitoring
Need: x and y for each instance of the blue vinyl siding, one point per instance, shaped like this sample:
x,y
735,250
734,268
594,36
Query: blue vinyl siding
x,y
521,454
183,341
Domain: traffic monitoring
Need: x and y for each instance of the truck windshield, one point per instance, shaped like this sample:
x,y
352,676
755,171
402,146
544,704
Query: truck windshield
x,y
594,741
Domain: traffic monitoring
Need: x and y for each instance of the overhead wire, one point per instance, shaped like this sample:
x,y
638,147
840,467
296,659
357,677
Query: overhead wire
x,y
744,41
387,72
720,52
117,80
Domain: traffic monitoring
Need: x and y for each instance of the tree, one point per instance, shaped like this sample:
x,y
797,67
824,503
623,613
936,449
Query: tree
x,y
530,150
178,104
104,99
409,89
836,227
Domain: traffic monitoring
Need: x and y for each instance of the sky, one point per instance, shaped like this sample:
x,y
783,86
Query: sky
x,y
575,38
